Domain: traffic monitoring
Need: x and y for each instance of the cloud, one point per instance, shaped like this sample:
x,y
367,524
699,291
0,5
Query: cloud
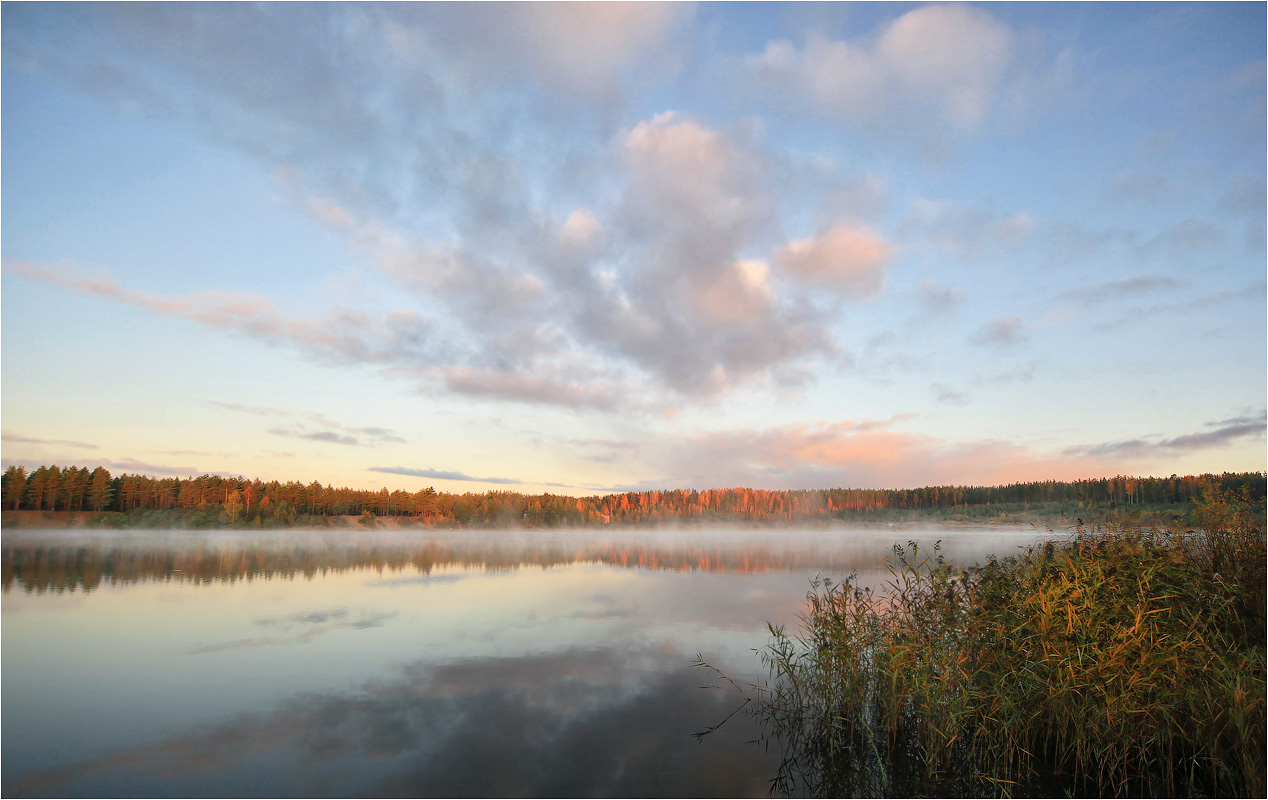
x,y
849,259
586,46
383,434
1074,244
142,467
742,292
942,60
1021,373
970,234
567,51
442,475
576,722
1223,433
1007,331
533,389
331,432
329,437
948,395
1187,236
1253,291
310,625
329,212
368,437
879,453
15,439
343,335
609,312
853,453
677,301
1245,194
1148,189
259,411
543,269
696,191
125,465
1187,306
1120,289
580,229
937,299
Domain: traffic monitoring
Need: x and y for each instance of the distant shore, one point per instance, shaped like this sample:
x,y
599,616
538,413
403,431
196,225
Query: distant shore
x,y
1050,519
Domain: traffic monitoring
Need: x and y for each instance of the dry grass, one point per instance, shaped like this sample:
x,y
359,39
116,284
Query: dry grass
x,y
1121,662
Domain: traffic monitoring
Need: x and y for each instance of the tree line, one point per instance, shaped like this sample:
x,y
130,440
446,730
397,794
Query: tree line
x,y
216,499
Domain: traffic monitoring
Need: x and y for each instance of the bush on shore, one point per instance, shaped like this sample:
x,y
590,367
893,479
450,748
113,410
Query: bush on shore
x,y
1120,662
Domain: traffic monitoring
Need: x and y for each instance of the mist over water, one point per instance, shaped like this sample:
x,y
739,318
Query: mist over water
x,y
344,663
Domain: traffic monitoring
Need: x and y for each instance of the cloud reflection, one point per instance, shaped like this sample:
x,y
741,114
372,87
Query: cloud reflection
x,y
582,722
310,625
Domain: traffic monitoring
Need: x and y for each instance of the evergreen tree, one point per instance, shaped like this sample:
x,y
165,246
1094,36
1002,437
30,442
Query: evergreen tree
x,y
100,489
14,487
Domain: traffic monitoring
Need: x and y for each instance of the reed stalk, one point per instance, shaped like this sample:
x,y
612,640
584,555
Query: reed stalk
x,y
1118,662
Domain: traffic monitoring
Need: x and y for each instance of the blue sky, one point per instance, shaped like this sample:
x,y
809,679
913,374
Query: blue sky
x,y
584,247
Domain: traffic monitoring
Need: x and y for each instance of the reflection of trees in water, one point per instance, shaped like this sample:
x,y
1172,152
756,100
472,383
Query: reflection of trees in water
x,y
41,568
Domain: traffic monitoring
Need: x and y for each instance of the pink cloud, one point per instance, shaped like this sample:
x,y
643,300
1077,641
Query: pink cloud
x,y
860,454
850,259
742,292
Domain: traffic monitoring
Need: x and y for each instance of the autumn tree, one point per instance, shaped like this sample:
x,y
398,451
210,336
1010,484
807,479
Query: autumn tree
x,y
37,486
100,490
233,506
14,486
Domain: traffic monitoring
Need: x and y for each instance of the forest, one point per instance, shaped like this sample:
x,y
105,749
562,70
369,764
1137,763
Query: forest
x,y
219,501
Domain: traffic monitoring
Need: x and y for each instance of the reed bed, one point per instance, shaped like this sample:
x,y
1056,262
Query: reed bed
x,y
1119,662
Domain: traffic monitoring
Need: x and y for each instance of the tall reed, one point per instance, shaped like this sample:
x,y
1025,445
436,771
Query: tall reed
x,y
1118,662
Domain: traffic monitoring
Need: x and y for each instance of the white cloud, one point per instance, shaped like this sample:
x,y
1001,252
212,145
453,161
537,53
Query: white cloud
x,y
952,54
581,228
581,45
642,272
686,178
571,50
945,59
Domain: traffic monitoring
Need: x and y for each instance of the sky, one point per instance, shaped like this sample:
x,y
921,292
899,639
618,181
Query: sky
x,y
579,248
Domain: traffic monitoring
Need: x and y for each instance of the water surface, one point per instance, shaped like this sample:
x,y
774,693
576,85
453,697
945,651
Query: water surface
x,y
469,663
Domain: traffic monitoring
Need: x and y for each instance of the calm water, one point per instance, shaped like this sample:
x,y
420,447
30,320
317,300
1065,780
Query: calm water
x,y
461,663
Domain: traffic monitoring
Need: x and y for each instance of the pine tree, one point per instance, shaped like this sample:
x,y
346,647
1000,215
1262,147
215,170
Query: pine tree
x,y
100,489
14,486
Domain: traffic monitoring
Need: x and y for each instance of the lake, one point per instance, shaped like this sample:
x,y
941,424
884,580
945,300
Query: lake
x,y
450,663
